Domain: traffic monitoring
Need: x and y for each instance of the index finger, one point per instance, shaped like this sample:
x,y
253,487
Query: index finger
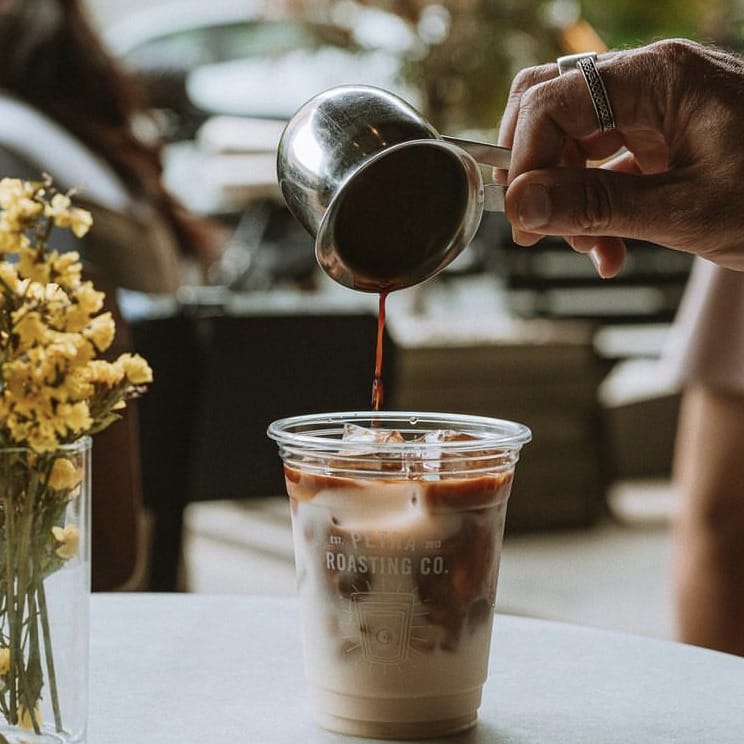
x,y
542,116
523,81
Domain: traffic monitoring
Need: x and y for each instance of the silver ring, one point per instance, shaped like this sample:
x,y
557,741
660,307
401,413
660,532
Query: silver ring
x,y
587,63
569,62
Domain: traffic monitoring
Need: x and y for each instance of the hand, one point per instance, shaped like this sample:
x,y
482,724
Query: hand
x,y
673,170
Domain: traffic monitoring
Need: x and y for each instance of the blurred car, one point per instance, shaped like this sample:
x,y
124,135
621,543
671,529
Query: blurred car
x,y
243,57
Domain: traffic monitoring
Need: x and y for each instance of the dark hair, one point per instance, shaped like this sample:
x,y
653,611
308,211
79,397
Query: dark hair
x,y
51,57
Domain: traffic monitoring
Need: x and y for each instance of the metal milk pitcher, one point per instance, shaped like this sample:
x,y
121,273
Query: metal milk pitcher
x,y
389,201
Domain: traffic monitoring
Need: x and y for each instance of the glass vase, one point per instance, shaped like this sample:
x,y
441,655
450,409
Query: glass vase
x,y
44,594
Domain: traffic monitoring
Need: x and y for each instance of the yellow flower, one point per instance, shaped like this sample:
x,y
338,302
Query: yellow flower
x,y
101,331
80,222
75,416
33,406
69,539
13,190
17,199
87,302
59,204
11,240
75,318
16,373
67,268
4,660
64,474
89,299
30,328
136,369
60,209
104,373
52,329
52,292
8,276
63,347
33,266
75,385
41,437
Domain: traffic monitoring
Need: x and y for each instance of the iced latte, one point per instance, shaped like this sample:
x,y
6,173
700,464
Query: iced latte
x,y
397,523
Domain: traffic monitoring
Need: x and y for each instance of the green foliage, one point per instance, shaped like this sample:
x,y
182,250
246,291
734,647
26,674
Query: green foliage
x,y
465,76
624,23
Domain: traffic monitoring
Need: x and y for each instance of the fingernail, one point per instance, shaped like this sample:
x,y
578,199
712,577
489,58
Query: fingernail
x,y
597,261
534,207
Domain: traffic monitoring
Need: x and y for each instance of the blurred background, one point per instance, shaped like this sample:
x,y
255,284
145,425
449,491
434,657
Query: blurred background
x,y
539,337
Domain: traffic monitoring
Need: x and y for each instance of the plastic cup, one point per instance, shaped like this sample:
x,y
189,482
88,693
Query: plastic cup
x,y
397,537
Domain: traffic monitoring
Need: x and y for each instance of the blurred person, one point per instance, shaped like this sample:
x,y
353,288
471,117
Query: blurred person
x,y
705,354
67,110
665,122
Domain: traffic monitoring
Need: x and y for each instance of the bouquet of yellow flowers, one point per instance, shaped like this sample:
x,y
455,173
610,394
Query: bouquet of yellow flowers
x,y
54,393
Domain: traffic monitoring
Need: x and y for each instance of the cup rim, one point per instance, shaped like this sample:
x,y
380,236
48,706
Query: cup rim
x,y
492,433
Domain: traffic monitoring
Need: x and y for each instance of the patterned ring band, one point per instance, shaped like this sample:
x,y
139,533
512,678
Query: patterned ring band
x,y
587,63
598,92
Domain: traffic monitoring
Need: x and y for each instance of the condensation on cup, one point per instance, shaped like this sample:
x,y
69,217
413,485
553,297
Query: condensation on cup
x,y
397,521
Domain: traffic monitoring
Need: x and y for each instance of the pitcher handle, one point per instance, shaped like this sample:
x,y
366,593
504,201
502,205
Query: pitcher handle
x,y
486,154
493,197
483,152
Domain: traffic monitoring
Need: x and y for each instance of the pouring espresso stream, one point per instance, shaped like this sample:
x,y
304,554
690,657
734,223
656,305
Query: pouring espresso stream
x,y
389,201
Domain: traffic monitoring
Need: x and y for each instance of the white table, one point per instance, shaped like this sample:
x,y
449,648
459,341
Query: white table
x,y
177,669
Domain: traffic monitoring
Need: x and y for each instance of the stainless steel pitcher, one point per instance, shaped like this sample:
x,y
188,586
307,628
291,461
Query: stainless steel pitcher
x,y
389,201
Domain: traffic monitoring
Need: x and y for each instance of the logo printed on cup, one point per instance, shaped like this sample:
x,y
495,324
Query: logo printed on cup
x,y
385,621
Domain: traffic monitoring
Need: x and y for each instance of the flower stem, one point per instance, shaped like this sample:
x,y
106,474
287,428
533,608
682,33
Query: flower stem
x,y
41,595
11,603
29,676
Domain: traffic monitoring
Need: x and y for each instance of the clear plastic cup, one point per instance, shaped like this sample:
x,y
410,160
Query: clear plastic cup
x,y
397,536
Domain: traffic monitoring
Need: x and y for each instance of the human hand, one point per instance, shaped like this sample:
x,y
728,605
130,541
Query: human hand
x,y
673,170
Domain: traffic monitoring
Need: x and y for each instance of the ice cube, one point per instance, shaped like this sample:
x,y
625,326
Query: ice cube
x,y
447,435
355,433
366,455
440,461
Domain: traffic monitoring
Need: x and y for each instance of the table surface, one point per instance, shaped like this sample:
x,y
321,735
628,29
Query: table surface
x,y
182,668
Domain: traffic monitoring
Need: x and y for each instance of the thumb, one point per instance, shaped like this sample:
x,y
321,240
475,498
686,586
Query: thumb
x,y
594,201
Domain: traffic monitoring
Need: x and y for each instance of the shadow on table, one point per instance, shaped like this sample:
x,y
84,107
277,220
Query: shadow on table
x,y
486,733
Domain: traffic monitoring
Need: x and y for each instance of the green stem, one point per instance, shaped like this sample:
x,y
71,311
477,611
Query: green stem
x,y
25,596
18,503
28,694
41,594
26,519
10,581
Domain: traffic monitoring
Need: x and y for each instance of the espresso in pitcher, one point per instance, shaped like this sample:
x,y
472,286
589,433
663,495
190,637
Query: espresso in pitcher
x,y
400,214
